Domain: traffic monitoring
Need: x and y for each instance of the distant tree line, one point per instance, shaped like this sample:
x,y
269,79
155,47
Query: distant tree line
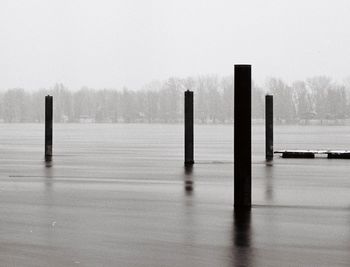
x,y
317,98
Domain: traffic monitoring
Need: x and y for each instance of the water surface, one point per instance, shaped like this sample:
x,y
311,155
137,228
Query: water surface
x,y
119,195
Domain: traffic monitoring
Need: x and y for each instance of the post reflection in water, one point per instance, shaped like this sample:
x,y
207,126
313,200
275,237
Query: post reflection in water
x,y
269,182
242,238
48,174
48,164
188,179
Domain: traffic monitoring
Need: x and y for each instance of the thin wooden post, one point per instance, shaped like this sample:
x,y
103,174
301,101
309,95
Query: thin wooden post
x,y
189,136
242,137
269,127
48,127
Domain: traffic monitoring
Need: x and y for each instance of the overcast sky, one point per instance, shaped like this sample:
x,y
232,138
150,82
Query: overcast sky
x,y
112,43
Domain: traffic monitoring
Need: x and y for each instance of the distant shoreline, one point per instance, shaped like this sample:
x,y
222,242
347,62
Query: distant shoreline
x,y
339,122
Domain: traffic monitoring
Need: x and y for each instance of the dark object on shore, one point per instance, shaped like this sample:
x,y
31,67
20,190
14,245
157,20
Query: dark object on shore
x,y
331,154
338,155
301,155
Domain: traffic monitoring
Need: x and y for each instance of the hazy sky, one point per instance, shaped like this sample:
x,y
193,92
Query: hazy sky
x,y
112,43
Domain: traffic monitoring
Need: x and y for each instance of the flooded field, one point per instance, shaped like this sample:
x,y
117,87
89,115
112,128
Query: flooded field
x,y
118,195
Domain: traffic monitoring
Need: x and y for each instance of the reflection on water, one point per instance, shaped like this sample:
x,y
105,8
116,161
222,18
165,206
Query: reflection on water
x,y
48,174
48,158
48,164
242,238
188,179
269,162
269,182
242,233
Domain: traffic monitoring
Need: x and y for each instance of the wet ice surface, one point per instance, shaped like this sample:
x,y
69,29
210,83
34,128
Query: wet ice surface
x,y
118,195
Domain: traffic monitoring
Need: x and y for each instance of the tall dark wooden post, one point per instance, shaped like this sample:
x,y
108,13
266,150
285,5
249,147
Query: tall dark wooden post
x,y
242,137
189,158
269,127
48,127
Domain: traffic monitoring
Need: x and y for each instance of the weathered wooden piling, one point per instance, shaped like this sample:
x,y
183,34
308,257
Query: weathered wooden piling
x,y
269,127
189,136
48,127
242,137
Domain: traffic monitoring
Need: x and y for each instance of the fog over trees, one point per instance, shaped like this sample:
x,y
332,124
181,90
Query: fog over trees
x,y
317,99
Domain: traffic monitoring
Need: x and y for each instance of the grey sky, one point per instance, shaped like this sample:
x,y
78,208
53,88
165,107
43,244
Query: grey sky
x,y
106,43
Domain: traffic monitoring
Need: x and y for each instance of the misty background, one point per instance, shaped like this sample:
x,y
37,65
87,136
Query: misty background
x,y
130,61
316,100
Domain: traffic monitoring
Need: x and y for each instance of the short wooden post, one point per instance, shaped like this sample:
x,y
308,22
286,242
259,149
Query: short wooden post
x,y
269,127
189,136
48,126
242,137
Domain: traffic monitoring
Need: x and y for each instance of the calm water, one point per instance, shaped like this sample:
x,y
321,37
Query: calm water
x,y
118,195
